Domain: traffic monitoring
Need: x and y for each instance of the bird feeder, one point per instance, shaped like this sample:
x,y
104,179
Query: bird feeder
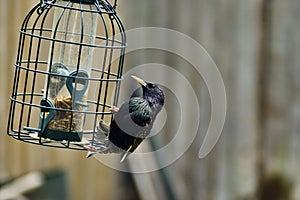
x,y
67,73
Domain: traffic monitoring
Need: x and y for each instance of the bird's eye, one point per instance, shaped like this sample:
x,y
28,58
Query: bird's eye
x,y
150,85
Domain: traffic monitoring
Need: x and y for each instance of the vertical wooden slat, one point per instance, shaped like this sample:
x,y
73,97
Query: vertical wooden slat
x,y
293,46
244,105
13,14
3,88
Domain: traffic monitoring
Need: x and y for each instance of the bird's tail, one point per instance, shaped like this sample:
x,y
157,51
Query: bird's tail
x,y
90,154
124,156
126,153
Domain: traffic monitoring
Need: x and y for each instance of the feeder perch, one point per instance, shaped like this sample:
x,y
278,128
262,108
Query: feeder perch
x,y
67,73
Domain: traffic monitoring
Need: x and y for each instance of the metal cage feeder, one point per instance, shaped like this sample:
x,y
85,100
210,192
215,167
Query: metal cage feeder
x,y
67,73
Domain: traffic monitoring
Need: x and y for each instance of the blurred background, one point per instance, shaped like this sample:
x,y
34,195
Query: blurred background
x,y
255,45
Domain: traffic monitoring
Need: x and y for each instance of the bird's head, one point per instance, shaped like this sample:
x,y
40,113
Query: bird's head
x,y
151,92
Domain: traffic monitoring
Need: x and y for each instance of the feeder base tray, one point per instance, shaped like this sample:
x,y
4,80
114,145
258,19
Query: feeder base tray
x,y
61,135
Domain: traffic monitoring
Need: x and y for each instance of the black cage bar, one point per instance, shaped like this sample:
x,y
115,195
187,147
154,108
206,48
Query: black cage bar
x,y
50,59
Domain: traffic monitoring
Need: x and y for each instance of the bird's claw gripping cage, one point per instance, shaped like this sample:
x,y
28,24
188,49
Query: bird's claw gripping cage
x,y
67,73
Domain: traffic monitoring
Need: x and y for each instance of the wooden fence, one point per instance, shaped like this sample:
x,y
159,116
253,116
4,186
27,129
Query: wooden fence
x,y
255,45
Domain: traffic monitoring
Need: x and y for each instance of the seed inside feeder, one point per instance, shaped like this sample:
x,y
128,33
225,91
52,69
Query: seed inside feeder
x,y
66,120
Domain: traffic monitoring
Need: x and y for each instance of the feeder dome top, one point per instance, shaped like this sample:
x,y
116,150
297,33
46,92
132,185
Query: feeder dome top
x,y
82,1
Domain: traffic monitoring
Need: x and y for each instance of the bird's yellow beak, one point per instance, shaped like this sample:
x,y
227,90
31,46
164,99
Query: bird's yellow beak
x,y
139,80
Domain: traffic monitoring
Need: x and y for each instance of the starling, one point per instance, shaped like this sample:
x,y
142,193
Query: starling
x,y
133,121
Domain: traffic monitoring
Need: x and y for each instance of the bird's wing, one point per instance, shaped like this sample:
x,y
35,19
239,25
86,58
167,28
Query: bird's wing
x,y
140,113
131,125
135,144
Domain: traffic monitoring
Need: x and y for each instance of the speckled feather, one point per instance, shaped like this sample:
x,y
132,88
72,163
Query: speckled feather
x,y
137,111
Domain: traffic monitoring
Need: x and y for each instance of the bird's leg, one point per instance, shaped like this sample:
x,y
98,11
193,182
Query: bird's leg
x,y
92,150
114,109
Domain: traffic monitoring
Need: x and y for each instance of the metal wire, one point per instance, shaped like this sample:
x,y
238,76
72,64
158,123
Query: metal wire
x,y
38,42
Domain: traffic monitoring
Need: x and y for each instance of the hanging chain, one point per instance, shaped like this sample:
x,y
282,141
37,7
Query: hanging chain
x,y
43,1
44,6
53,1
115,4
